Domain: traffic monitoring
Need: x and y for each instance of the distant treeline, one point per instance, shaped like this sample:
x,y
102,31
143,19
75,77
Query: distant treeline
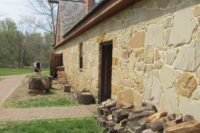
x,y
18,49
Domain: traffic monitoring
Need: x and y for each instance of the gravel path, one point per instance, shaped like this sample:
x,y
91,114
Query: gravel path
x,y
7,85
46,113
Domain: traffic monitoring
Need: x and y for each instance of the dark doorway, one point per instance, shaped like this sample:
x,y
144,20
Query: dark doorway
x,y
105,71
56,61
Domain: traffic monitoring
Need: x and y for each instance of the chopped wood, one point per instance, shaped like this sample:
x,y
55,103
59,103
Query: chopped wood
x,y
187,118
140,115
186,127
146,119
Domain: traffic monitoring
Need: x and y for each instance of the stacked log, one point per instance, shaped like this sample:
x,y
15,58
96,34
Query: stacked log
x,y
62,77
146,119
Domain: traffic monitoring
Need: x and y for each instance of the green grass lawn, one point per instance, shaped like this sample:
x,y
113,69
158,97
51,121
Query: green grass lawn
x,y
41,101
18,71
83,125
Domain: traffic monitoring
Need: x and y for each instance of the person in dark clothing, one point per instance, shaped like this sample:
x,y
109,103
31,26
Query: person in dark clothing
x,y
37,68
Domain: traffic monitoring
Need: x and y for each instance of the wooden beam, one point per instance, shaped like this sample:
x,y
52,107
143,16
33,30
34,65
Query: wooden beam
x,y
56,1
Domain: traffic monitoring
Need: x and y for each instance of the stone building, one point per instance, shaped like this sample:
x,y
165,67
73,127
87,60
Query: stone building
x,y
135,51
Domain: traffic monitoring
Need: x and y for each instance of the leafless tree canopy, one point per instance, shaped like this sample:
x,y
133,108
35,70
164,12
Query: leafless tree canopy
x,y
45,15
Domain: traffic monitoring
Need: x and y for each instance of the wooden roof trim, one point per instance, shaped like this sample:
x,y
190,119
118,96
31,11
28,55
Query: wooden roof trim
x,y
103,11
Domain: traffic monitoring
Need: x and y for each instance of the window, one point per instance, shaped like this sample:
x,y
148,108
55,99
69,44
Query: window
x,y
81,56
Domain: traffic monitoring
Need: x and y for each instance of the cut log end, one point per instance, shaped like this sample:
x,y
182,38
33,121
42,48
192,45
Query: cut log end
x,y
40,84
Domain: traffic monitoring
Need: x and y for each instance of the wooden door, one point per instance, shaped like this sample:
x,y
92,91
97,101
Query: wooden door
x,y
56,61
105,71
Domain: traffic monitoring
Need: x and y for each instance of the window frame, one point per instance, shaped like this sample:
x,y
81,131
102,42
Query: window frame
x,y
81,57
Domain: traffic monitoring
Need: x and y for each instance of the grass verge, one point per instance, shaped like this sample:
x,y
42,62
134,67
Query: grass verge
x,y
20,98
15,71
41,101
19,71
81,125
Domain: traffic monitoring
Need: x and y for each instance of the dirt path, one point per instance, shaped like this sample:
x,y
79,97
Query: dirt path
x,y
46,113
7,85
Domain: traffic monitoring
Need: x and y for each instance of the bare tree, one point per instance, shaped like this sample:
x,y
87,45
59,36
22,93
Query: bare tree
x,y
45,18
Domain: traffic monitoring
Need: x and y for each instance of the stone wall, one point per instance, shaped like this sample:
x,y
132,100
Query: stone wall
x,y
156,55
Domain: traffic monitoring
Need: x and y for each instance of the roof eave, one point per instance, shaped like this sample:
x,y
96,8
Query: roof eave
x,y
101,12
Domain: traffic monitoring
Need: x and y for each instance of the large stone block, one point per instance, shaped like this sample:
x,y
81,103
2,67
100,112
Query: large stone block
x,y
157,54
126,54
116,89
139,84
167,77
184,25
125,97
137,99
139,54
137,41
148,68
148,82
169,101
197,11
188,58
149,55
154,36
198,75
186,85
170,57
196,94
117,76
156,91
188,106
139,66
115,61
128,83
166,35
163,55
168,22
158,65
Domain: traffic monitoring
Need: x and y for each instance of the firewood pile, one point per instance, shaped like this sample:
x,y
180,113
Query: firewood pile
x,y
62,77
128,119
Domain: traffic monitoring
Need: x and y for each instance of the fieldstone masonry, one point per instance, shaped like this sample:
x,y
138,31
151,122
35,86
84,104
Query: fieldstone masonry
x,y
156,55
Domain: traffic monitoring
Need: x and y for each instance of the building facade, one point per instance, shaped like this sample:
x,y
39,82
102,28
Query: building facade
x,y
144,50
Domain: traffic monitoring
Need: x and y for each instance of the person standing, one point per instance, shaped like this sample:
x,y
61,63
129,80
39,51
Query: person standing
x,y
37,66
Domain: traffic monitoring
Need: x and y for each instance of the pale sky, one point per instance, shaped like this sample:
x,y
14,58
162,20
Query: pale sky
x,y
14,9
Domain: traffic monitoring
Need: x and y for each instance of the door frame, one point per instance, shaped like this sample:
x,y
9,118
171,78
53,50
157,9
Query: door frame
x,y
55,61
100,92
